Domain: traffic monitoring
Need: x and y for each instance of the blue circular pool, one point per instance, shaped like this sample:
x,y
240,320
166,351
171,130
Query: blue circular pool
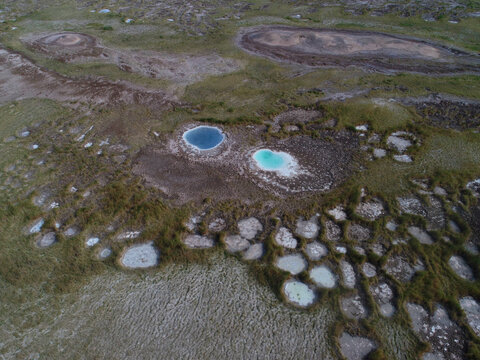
x,y
204,137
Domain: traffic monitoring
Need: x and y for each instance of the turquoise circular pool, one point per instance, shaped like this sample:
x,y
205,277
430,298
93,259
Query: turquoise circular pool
x,y
204,137
277,161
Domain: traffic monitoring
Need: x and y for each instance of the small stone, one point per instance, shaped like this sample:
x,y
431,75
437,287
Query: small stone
x,y
402,158
379,153
338,213
47,240
353,307
474,187
249,228
370,210
398,267
440,191
236,243
37,226
420,235
359,250
359,233
391,225
315,250
71,231
140,256
104,253
369,270
323,277
355,347
383,294
348,274
285,238
217,225
307,228
92,241
472,312
294,263
461,268
362,128
341,249
398,143
332,231
454,227
254,252
198,242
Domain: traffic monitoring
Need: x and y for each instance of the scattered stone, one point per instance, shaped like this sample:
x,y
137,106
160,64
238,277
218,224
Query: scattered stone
x,y
338,213
420,235
370,210
440,191
315,250
452,225
92,241
362,128
348,274
284,237
355,347
104,253
249,228
461,268
236,243
192,223
128,235
47,240
358,233
71,231
383,294
353,307
217,225
254,252
472,312
198,242
323,277
403,158
369,270
332,231
379,153
341,249
37,226
391,225
471,248
294,263
411,205
298,293
378,249
474,187
445,337
398,267
398,143
307,229
140,256
104,11
359,250
434,213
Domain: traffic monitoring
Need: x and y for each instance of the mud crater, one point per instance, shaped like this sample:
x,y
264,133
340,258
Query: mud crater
x,y
367,49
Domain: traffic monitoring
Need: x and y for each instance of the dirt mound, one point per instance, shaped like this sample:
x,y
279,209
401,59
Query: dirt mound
x,y
367,49
66,45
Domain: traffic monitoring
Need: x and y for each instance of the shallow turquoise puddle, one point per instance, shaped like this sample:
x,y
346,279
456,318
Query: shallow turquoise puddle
x,y
204,137
269,160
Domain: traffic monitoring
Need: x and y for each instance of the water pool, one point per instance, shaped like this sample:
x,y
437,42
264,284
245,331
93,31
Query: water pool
x,y
204,137
281,162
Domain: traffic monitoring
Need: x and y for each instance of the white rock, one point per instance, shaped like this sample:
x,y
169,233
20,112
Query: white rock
x,y
420,235
315,250
379,153
254,252
338,213
249,228
198,242
307,228
348,274
403,158
284,237
140,256
294,263
236,243
92,241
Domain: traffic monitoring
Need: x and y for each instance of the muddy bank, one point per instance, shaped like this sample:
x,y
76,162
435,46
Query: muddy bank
x,y
367,49
20,79
82,48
